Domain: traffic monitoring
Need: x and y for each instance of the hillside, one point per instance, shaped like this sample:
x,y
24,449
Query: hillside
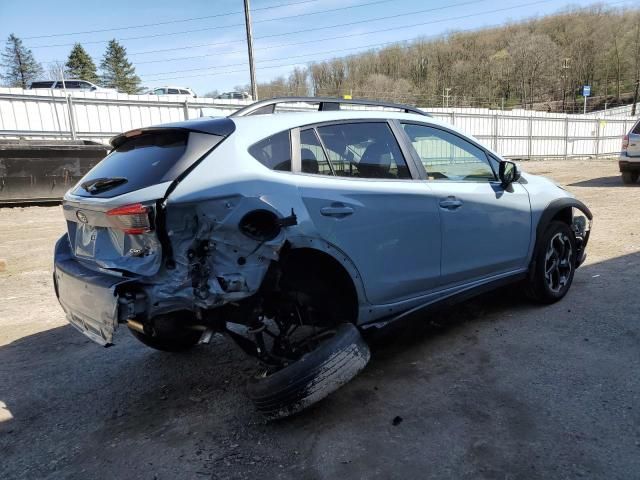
x,y
541,63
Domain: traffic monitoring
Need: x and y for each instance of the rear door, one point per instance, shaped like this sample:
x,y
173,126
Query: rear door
x,y
358,189
633,150
486,229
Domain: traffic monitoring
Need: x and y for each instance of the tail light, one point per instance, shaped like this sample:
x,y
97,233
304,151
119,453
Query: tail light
x,y
132,219
625,143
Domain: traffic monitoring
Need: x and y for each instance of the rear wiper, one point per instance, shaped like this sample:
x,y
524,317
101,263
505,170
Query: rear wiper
x,y
98,185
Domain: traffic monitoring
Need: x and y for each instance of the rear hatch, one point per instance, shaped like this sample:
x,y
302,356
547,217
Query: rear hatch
x,y
633,147
114,214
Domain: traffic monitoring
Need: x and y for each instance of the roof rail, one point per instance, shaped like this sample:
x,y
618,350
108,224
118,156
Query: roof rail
x,y
268,106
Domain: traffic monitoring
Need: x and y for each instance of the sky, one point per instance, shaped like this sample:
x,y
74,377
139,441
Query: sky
x,y
201,44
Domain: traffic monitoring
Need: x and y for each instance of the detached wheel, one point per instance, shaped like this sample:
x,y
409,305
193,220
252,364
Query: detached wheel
x,y
629,177
554,264
169,333
318,347
315,375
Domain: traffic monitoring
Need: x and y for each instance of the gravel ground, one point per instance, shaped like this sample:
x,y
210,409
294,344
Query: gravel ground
x,y
493,388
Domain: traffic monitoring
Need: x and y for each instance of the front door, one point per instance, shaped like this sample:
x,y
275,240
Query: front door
x,y
486,229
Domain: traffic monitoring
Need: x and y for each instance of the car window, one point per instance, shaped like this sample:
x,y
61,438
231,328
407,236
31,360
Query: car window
x,y
274,152
184,92
446,156
73,84
173,91
364,150
159,91
142,160
42,84
312,156
636,130
85,85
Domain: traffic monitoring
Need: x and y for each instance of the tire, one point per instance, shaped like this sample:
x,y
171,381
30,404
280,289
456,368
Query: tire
x,y
629,177
167,337
554,266
314,376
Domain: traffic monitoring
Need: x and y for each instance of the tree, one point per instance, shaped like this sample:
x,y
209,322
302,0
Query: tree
x,y
54,70
19,65
80,65
117,71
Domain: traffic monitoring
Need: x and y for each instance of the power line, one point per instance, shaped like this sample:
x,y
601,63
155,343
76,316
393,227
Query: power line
x,y
389,29
233,42
182,32
351,35
168,22
270,47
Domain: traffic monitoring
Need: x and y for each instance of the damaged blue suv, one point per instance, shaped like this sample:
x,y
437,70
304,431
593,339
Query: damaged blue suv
x,y
292,231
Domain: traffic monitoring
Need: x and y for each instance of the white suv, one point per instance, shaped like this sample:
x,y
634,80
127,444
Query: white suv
x,y
629,161
171,90
71,84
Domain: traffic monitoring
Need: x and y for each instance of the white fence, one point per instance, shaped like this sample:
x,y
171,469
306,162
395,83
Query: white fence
x,y
99,116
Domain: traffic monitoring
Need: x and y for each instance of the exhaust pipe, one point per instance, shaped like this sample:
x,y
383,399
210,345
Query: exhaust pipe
x,y
135,325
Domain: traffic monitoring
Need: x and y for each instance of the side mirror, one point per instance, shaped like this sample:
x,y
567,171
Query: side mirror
x,y
508,173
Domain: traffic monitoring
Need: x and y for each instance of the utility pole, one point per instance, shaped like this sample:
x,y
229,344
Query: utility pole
x,y
252,67
445,97
565,68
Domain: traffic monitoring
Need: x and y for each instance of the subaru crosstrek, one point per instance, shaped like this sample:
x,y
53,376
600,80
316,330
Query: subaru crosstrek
x,y
291,233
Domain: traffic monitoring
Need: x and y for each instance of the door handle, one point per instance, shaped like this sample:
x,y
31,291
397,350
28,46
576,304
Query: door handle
x,y
336,210
450,203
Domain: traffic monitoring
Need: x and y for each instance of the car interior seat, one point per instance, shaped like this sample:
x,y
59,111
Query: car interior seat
x,y
376,161
309,162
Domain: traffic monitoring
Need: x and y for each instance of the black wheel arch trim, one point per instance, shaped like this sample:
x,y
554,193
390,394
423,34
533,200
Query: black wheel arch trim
x,y
551,211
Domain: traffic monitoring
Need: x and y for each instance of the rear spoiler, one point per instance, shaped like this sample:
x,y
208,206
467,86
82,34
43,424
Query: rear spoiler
x,y
222,127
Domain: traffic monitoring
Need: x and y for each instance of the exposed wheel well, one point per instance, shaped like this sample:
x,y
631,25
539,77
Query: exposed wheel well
x,y
307,261
564,215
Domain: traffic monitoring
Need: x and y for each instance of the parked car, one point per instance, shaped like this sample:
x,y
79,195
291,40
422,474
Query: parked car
x,y
629,161
291,233
71,84
171,91
235,96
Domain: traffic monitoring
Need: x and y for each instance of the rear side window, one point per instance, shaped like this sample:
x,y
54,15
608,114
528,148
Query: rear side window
x,y
312,157
636,130
173,91
143,161
274,152
364,150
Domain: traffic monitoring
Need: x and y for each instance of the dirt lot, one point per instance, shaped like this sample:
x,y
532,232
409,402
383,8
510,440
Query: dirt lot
x,y
495,388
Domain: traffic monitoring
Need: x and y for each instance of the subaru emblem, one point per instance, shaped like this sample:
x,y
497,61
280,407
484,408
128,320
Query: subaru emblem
x,y
82,217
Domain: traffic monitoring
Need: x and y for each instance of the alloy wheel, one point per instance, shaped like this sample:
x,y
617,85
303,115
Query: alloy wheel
x,y
558,262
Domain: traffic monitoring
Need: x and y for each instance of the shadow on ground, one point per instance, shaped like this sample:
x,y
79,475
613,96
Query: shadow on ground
x,y
491,388
614,181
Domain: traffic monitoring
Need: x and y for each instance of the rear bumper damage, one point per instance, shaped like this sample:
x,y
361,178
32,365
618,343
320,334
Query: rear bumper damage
x,y
217,252
93,302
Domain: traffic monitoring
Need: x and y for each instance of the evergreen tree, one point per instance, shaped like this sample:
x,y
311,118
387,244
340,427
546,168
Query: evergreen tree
x,y
80,65
18,64
117,71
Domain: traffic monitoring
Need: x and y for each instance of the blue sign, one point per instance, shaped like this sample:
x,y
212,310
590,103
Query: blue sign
x,y
586,91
